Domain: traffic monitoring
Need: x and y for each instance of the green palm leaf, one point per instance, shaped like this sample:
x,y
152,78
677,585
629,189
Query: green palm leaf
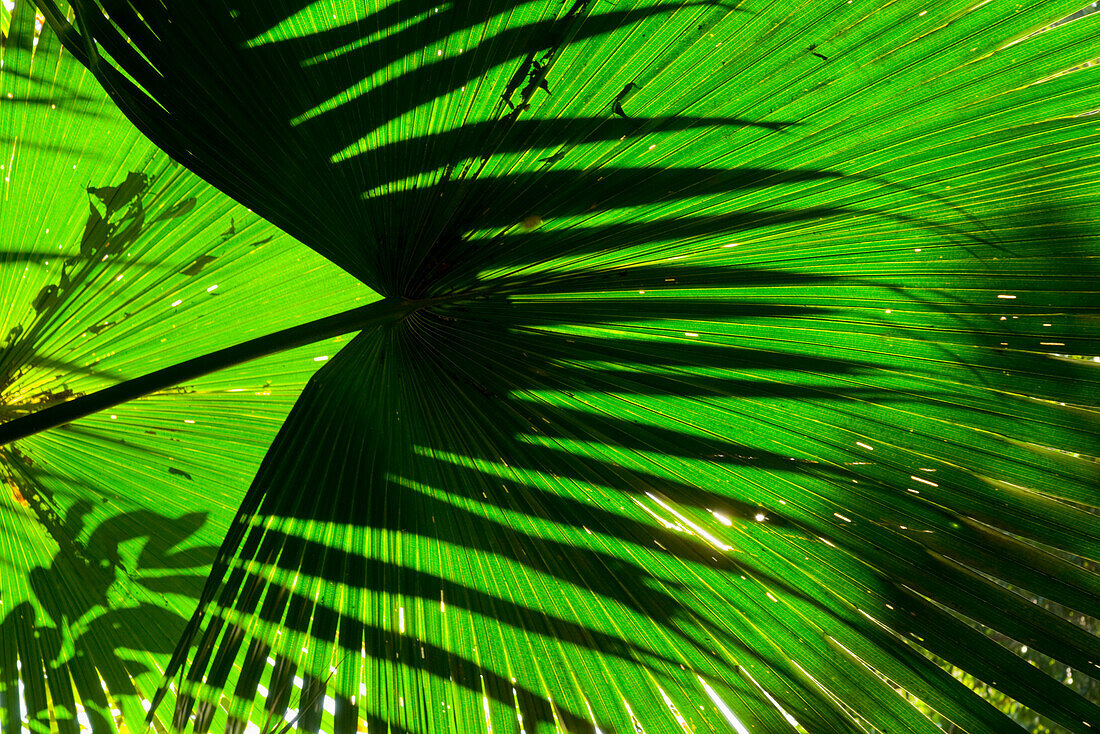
x,y
729,373
115,261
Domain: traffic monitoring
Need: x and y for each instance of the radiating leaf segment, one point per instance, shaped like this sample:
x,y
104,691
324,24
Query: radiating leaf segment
x,y
712,384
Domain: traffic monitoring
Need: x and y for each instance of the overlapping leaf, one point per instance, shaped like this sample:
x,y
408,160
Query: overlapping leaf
x,y
745,368
115,261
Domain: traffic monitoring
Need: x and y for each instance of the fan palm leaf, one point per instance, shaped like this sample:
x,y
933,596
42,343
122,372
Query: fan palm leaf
x,y
728,366
115,261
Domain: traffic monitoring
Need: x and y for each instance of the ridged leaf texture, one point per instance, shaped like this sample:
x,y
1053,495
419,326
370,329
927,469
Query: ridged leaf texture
x,y
728,366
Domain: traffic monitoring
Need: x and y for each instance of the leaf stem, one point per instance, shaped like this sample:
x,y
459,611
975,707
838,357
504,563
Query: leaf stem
x,y
386,310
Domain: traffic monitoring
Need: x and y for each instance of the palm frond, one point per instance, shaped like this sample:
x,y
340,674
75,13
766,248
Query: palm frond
x,y
759,389
115,261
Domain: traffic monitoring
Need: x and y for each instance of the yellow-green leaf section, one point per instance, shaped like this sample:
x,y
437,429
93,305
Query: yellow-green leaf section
x,y
115,261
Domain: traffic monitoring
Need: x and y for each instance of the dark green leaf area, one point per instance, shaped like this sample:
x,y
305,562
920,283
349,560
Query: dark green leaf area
x,y
393,210
487,494
422,128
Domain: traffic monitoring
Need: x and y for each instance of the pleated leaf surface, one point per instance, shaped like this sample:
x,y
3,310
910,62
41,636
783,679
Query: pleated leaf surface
x,y
114,262
750,365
